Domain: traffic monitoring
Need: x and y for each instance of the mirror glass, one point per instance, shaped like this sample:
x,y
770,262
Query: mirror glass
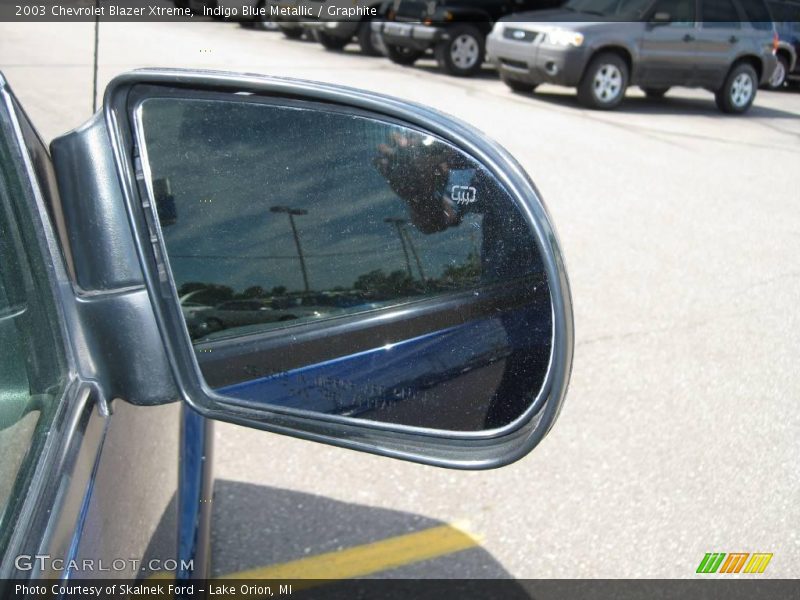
x,y
337,261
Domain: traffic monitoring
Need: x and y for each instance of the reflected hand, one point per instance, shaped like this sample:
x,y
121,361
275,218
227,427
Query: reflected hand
x,y
417,167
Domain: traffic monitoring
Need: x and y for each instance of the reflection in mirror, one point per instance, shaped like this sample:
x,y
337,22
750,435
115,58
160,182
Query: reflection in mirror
x,y
282,220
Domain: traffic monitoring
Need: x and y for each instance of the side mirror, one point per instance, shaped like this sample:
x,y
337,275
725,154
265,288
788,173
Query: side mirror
x,y
421,308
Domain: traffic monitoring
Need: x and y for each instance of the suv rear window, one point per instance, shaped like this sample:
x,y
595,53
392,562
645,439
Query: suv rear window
x,y
757,13
719,13
784,12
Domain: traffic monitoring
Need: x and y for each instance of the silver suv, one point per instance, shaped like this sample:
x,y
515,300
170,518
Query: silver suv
x,y
602,46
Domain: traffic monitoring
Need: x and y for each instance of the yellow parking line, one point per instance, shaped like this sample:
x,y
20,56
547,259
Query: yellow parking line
x,y
367,559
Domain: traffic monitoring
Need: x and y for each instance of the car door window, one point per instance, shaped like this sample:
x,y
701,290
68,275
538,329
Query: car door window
x,y
782,12
720,14
32,365
681,12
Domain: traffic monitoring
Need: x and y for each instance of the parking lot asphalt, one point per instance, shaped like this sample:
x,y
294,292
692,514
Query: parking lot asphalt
x,y
681,231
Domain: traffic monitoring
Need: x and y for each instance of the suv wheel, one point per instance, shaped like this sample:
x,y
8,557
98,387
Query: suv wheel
x,y
461,54
517,85
739,90
329,41
402,55
779,75
365,41
655,92
604,83
293,33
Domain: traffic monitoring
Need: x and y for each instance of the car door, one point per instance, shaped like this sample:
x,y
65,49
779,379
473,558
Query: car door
x,y
86,478
667,44
51,427
720,37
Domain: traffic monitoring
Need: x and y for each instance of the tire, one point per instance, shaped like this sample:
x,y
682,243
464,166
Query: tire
x,y
365,42
401,55
330,42
293,33
739,90
265,22
604,83
519,86
463,53
653,92
778,78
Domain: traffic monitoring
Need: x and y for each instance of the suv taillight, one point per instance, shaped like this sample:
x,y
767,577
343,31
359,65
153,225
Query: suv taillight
x,y
775,40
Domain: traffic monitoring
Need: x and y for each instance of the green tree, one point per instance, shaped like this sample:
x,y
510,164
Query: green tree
x,y
254,291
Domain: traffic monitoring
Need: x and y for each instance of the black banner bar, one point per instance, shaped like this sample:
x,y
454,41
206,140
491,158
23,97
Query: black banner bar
x,y
420,589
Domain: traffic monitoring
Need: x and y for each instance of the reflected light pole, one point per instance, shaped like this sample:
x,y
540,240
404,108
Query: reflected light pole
x,y
404,236
414,254
293,212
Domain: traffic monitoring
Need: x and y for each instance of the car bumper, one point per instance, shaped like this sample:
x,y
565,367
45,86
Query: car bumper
x,y
536,62
770,64
408,35
339,29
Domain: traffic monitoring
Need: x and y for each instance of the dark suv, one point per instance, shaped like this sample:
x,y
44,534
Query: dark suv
x,y
454,29
602,46
787,22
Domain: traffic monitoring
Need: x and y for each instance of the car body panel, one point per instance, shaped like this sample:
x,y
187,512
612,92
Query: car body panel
x,y
438,380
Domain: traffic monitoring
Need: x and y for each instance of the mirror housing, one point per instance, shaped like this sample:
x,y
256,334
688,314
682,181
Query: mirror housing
x,y
147,207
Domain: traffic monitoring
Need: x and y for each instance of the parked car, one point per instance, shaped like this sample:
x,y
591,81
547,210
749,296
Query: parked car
x,y
343,21
786,14
106,402
455,30
239,313
601,48
190,306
